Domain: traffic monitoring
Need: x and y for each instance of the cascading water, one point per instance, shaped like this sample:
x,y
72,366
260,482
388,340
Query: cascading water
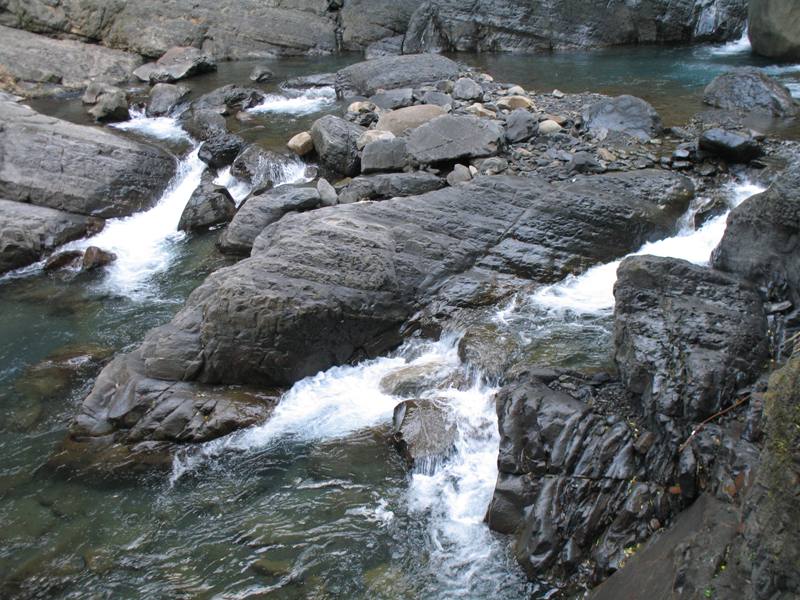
x,y
160,128
296,102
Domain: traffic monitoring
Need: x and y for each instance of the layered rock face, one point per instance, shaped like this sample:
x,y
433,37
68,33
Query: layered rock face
x,y
774,28
236,29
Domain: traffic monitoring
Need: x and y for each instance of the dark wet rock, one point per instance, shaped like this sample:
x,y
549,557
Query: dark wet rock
x,y
412,380
221,150
164,97
729,145
423,433
62,260
384,155
209,205
686,338
175,64
94,258
392,99
681,563
110,106
584,162
624,114
521,125
569,486
78,169
335,142
203,123
261,74
762,237
774,28
258,211
36,65
452,138
229,99
391,72
404,119
390,185
151,409
749,89
467,89
28,232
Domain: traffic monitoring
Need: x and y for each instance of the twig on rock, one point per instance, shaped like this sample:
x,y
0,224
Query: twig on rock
x,y
700,427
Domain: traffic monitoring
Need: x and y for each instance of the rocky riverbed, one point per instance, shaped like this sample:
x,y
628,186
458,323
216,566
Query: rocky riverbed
x,y
450,336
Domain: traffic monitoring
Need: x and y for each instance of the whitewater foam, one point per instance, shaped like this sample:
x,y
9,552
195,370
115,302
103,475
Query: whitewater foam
x,y
296,103
160,128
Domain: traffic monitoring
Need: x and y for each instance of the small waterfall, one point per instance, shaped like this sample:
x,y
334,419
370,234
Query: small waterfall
x,y
143,242
740,46
291,170
593,291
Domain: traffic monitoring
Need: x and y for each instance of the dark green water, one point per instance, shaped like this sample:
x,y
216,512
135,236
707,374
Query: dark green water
x,y
315,504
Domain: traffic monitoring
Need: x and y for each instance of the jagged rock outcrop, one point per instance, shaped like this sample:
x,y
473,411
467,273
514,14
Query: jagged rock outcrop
x,y
349,276
78,169
774,28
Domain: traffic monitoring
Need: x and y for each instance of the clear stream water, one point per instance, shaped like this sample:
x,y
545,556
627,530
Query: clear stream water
x,y
313,503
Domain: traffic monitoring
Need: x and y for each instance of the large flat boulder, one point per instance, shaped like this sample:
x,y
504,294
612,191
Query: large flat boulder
x,y
35,65
333,285
774,28
175,64
391,72
624,114
75,168
454,137
686,338
27,232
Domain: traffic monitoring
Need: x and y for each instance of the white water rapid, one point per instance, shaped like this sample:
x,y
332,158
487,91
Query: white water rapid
x,y
593,291
160,128
296,102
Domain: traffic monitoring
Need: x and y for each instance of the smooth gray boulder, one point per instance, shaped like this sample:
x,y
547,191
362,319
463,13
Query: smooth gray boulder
x,y
261,210
686,338
467,89
28,232
175,64
521,125
335,141
402,120
229,99
624,114
208,206
78,169
203,123
384,155
392,99
455,137
391,72
110,106
36,65
774,28
164,97
751,90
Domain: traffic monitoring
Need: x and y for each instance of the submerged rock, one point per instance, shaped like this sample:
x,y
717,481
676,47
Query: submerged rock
x,y
749,89
261,74
423,433
209,205
77,169
94,258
